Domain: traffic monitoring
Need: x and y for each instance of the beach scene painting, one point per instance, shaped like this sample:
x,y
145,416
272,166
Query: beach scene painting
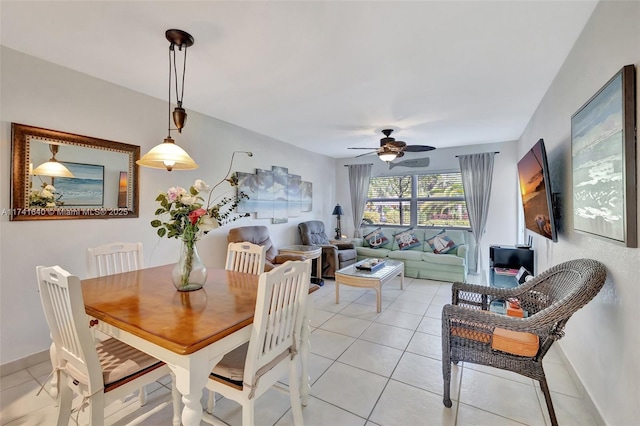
x,y
86,188
275,194
598,164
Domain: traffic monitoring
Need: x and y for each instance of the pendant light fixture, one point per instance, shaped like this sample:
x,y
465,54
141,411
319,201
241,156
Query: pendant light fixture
x,y
53,167
168,155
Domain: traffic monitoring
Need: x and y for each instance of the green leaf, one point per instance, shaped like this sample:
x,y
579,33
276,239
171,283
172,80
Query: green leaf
x,y
160,211
161,232
156,223
193,191
161,197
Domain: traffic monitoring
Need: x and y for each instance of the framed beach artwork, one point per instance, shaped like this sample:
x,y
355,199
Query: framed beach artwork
x,y
603,156
86,188
274,194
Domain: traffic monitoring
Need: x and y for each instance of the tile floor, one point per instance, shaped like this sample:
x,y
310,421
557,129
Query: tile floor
x,y
366,369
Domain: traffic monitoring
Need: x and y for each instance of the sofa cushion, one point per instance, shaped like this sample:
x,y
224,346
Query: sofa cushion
x,y
407,239
441,242
405,255
375,239
372,252
441,259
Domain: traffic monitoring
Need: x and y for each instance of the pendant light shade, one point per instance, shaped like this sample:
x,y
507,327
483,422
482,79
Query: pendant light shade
x,y
52,167
168,155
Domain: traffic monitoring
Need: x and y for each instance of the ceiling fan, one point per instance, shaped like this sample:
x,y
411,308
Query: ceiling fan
x,y
390,148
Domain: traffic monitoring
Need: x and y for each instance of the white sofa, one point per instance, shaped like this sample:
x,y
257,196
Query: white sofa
x,y
420,261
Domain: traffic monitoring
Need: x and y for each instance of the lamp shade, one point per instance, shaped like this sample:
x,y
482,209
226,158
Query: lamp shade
x,y
52,168
169,156
387,156
337,210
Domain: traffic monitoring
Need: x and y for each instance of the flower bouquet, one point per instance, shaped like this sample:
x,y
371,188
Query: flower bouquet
x,y
185,215
46,197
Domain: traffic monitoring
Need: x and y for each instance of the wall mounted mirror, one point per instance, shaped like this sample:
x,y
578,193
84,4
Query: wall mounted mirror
x,y
56,175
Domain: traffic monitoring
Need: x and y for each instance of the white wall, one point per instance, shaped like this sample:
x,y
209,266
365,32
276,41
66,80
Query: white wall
x,y
603,339
502,223
41,94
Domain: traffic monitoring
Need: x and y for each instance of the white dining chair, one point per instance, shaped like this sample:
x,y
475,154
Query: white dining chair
x,y
245,257
114,258
98,371
251,369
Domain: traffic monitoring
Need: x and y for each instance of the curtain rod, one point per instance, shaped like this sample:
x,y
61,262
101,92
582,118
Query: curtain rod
x,y
347,165
495,152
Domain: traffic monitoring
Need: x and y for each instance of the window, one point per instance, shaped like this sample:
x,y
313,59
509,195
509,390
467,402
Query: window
x,y
429,200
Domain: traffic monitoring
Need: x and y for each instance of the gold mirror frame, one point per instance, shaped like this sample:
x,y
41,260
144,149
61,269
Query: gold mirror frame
x,y
21,179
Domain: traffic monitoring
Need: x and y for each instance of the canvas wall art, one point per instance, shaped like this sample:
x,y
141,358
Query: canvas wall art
x,y
274,194
603,154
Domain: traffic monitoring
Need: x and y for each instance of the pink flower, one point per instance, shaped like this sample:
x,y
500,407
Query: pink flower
x,y
195,215
174,193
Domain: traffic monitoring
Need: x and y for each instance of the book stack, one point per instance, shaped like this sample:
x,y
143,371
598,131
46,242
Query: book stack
x,y
506,271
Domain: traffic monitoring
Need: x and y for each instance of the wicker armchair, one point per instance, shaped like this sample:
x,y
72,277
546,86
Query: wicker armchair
x,y
470,333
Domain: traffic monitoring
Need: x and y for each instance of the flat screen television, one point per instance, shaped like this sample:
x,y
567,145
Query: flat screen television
x,y
535,188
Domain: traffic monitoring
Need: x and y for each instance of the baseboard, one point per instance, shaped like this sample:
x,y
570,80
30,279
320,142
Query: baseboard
x,y
593,409
22,363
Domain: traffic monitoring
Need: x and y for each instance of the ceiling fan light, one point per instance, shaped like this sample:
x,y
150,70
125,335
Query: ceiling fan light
x,y
169,156
387,156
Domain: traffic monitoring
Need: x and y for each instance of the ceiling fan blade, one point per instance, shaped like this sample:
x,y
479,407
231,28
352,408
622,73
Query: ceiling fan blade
x,y
366,153
362,148
418,148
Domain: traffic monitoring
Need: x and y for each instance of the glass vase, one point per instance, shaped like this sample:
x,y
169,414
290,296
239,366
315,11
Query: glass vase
x,y
189,273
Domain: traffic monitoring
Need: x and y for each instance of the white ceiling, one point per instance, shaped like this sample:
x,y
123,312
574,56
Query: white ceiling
x,y
318,74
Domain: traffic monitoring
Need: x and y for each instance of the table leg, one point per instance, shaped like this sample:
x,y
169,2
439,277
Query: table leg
x,y
378,289
190,382
402,279
337,291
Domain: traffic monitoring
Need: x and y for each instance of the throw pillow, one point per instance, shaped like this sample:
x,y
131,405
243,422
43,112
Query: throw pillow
x,y
376,238
407,239
441,243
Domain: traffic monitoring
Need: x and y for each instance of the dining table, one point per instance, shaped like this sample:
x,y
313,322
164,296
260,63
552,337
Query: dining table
x,y
189,331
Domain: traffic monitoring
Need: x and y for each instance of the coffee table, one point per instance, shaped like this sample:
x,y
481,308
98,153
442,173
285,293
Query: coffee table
x,y
355,277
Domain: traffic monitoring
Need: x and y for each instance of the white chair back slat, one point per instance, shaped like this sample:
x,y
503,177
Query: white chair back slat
x,y
114,258
245,257
61,296
277,325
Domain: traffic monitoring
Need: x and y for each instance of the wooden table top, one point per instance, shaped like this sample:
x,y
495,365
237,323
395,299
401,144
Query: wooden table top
x,y
146,304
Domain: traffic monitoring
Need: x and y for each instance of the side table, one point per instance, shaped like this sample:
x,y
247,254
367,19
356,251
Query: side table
x,y
310,252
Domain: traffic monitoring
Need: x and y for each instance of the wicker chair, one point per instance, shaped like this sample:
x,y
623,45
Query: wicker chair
x,y
470,333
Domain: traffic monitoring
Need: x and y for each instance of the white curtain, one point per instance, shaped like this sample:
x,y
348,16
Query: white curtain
x,y
477,174
359,175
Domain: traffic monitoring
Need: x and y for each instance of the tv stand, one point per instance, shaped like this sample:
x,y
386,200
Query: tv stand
x,y
505,261
511,257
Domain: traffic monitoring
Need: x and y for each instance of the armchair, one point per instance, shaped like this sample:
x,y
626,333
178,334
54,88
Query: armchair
x,y
471,333
260,235
335,255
